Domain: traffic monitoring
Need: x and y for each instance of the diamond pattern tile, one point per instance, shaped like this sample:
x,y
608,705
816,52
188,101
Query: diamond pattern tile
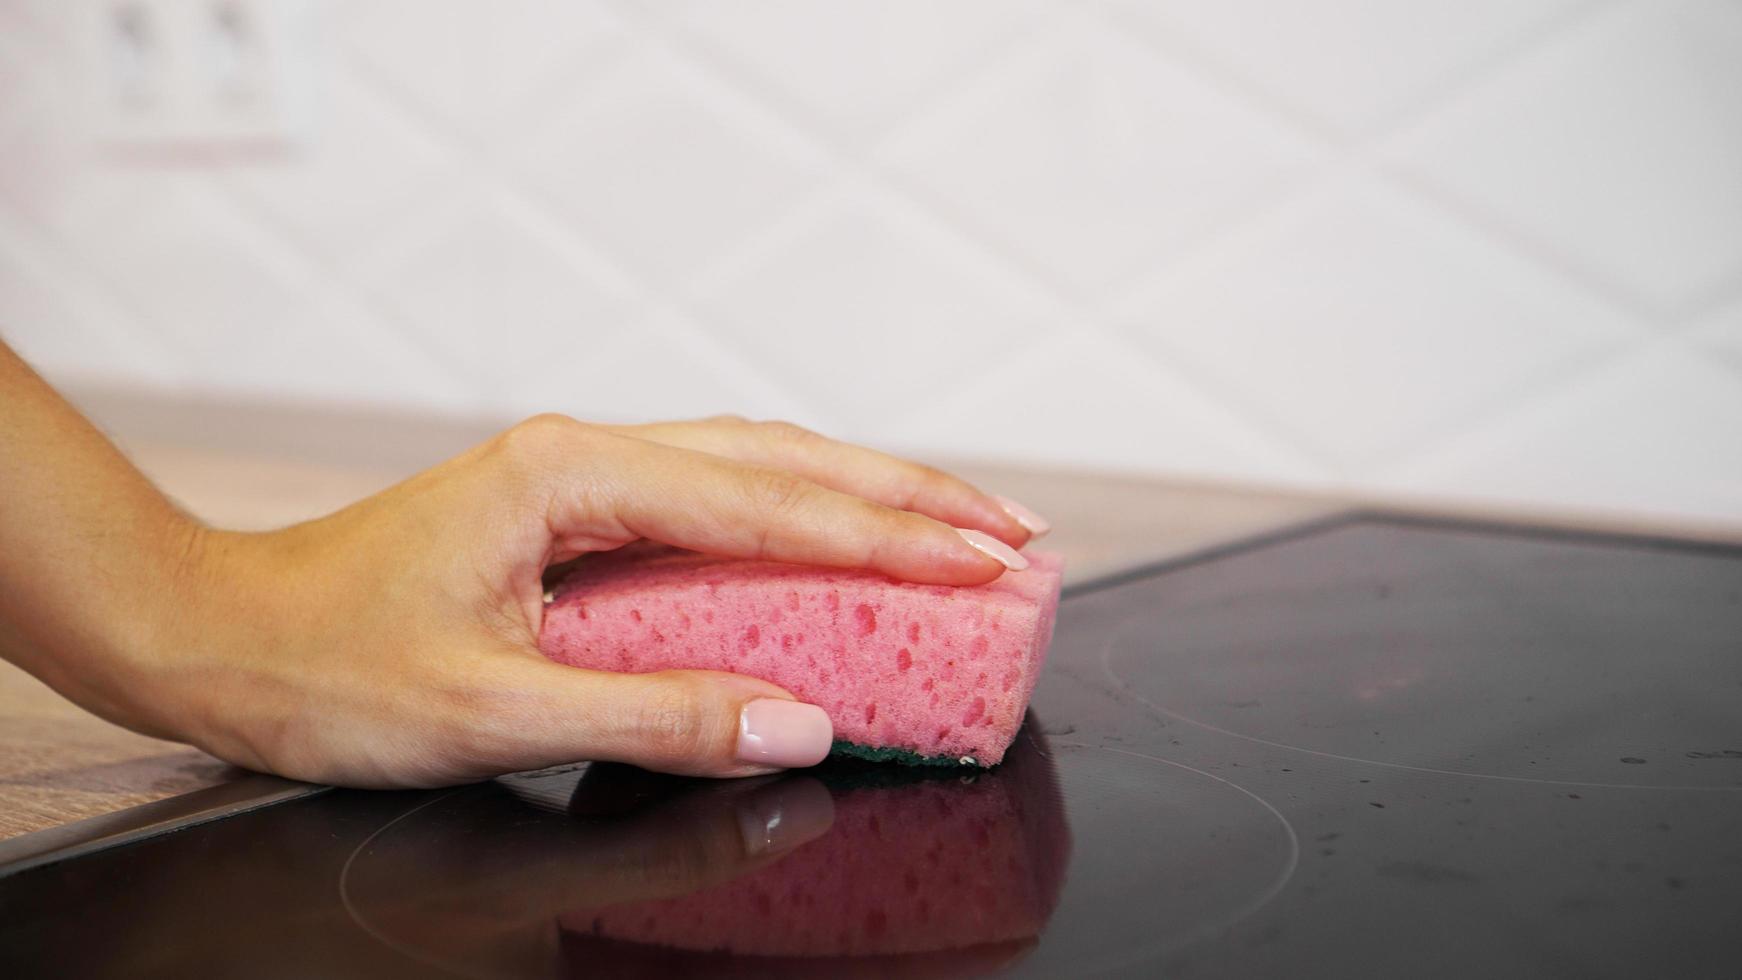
x,y
861,66
1626,440
542,323
34,97
1355,65
536,319
1095,158
660,367
478,279
60,323
1485,250
1364,323
244,313
471,64
1619,147
662,164
1720,337
1133,417
21,75
367,169
904,309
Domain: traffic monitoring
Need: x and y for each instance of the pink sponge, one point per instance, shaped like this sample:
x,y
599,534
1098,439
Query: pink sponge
x,y
922,673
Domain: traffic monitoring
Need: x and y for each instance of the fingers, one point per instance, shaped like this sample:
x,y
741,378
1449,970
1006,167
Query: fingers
x,y
604,490
692,723
875,476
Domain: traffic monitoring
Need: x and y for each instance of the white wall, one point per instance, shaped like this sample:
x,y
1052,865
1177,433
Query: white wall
x,y
1488,249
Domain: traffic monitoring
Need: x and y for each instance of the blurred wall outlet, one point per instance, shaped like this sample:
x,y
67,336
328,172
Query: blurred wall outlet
x,y
169,79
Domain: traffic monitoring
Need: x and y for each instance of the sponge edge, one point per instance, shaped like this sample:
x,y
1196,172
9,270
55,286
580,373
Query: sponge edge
x,y
920,674
849,750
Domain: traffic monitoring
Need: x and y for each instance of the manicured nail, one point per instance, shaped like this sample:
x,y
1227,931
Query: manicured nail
x,y
780,817
994,548
1036,524
783,734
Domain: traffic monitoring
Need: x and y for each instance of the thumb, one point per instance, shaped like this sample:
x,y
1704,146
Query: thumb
x,y
689,722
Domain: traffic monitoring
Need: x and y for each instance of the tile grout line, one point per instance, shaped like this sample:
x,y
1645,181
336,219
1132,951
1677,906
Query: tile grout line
x,y
1370,151
1065,295
641,283
114,294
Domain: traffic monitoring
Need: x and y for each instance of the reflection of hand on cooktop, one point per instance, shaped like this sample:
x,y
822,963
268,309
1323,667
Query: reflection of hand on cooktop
x,y
921,870
683,834
494,871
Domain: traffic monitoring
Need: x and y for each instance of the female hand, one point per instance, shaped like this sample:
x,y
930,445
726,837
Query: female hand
x,y
393,643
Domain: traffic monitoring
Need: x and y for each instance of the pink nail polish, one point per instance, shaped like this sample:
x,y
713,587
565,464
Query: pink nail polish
x,y
993,548
783,734
1036,524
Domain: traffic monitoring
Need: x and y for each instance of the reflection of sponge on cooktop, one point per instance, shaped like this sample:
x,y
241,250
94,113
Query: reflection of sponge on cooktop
x,y
917,673
918,874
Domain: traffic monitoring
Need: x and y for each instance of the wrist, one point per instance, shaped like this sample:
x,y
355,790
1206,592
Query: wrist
x,y
192,630
147,627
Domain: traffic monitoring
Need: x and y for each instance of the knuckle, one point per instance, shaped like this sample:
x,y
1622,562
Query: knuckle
x,y
776,493
782,431
727,418
539,436
921,480
906,525
477,721
671,721
531,450
932,476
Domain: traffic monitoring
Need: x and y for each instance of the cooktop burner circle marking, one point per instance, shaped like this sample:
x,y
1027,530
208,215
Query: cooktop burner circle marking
x,y
1169,862
1120,682
1290,864
345,881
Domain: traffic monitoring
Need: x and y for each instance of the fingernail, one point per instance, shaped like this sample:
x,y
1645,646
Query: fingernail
x,y
1036,524
783,734
994,548
781,817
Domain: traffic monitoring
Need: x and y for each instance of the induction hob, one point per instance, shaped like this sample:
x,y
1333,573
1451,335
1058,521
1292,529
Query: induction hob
x,y
1379,744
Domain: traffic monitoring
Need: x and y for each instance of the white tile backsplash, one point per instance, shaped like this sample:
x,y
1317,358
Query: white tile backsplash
x,y
1619,146
469,64
1094,158
1655,432
1367,325
905,305
374,169
1485,250
1355,66
851,69
1083,399
662,164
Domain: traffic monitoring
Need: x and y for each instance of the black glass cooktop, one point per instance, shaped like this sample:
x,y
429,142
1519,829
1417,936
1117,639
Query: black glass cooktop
x,y
1375,747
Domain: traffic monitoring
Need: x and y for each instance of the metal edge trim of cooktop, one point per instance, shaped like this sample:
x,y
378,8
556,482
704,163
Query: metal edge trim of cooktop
x,y
1405,519
149,820
1222,549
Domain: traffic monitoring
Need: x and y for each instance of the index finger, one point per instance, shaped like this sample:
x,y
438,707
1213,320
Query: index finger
x,y
853,469
625,488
